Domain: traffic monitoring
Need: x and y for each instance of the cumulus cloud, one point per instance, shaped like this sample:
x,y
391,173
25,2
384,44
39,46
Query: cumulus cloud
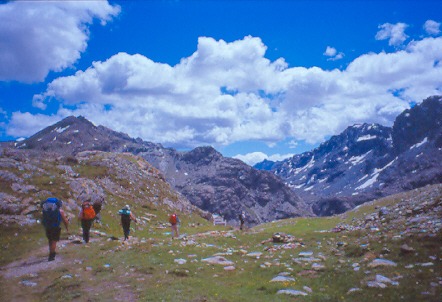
x,y
39,37
227,92
333,54
24,123
432,27
394,33
255,157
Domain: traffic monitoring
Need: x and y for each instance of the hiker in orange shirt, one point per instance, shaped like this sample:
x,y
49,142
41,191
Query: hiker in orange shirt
x,y
86,216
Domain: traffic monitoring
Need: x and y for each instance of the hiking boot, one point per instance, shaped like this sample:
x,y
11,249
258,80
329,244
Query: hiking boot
x,y
51,257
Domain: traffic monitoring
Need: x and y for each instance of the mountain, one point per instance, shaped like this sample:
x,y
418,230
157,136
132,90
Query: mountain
x,y
208,180
368,161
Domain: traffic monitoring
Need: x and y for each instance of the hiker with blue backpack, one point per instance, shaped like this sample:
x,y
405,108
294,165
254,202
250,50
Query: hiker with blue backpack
x,y
52,217
126,217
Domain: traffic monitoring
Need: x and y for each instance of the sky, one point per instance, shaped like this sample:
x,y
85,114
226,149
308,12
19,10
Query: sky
x,y
254,79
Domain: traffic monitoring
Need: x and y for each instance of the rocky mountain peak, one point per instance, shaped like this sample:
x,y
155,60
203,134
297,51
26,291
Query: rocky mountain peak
x,y
367,161
414,125
201,155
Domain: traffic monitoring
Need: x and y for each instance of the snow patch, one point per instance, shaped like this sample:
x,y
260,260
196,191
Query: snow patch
x,y
357,159
366,137
375,176
61,130
307,166
419,144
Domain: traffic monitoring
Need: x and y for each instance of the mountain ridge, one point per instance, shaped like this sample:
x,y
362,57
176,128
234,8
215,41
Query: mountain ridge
x,y
214,183
368,161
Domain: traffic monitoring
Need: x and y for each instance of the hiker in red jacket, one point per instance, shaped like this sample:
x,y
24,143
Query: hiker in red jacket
x,y
174,222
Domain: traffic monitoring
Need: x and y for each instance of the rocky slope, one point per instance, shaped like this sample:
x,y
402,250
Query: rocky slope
x,y
208,180
368,161
28,177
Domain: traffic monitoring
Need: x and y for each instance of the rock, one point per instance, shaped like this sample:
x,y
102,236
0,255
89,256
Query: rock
x,y
218,260
376,284
384,211
283,279
291,292
381,262
353,289
383,279
254,255
229,268
180,261
28,283
405,249
306,259
318,267
306,254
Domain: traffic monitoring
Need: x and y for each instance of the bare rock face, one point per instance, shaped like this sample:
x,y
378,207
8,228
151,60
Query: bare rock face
x,y
369,161
208,180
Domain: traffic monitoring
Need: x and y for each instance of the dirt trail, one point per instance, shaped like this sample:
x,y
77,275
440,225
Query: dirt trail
x,y
33,264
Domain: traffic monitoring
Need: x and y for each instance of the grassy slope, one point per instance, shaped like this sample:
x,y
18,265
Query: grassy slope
x,y
145,270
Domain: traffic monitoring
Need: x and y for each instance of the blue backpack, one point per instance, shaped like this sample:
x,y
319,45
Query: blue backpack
x,y
51,212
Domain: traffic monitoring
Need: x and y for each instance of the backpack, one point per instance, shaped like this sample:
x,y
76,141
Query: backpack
x,y
242,217
97,207
125,215
88,211
51,212
173,219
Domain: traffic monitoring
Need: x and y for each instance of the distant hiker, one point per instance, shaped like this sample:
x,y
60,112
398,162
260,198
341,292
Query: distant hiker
x,y
97,205
174,221
86,216
52,216
242,218
126,217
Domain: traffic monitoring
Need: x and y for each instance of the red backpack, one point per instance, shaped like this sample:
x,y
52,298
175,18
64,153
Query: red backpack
x,y
88,211
172,219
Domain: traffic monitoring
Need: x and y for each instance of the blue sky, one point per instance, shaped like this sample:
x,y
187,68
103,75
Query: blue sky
x,y
254,79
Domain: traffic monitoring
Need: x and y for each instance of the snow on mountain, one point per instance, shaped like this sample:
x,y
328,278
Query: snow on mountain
x,y
367,161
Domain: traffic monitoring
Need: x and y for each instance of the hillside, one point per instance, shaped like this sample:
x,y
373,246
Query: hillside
x,y
368,161
27,177
388,249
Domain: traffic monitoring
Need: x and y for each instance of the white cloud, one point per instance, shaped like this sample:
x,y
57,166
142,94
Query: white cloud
x,y
23,124
330,51
432,27
395,33
228,92
39,37
255,157
333,54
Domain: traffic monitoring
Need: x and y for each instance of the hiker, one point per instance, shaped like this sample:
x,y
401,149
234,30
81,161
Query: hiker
x,y
126,217
174,221
242,217
52,216
86,216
